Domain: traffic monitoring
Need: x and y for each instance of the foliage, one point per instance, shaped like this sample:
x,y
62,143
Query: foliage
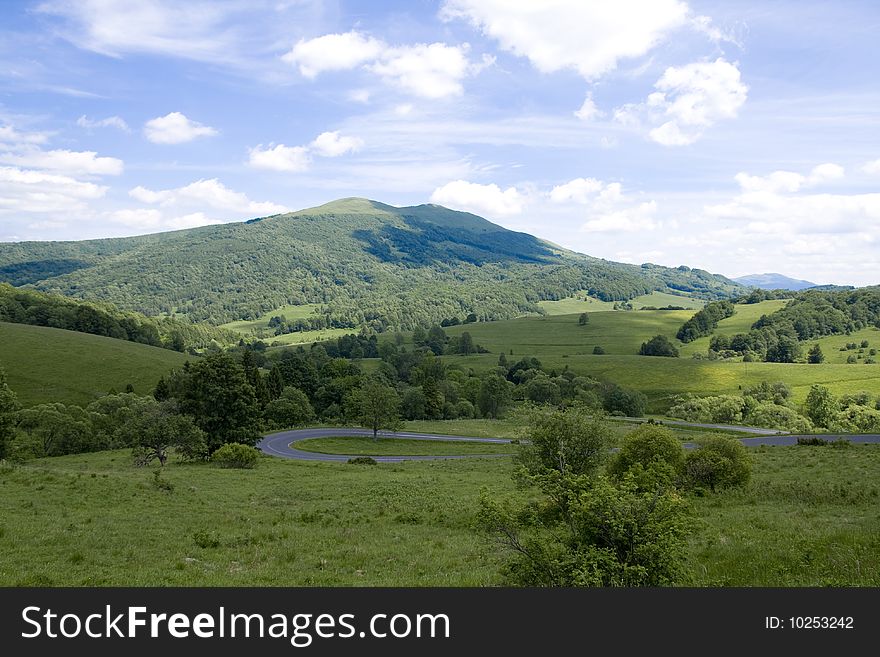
x,y
570,441
705,321
291,409
362,460
652,455
158,428
375,406
236,455
659,345
587,531
8,407
718,462
821,407
493,396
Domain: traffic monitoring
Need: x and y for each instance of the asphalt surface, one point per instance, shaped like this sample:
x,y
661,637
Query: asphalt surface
x,y
283,444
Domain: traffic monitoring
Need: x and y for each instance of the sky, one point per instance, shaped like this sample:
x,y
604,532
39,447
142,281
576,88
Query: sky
x,y
738,137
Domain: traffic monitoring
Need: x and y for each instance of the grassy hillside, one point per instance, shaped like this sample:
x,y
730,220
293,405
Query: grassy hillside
x,y
363,262
53,365
809,518
558,341
583,303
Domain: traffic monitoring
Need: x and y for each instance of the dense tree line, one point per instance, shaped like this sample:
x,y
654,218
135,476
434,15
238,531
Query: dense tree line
x,y
705,321
22,306
812,314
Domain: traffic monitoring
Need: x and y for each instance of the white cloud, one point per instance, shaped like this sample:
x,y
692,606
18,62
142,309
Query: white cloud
x,y
432,71
825,173
28,191
175,128
872,167
627,220
789,181
333,52
73,162
579,190
588,110
331,144
487,200
689,99
279,157
589,37
10,136
110,122
211,193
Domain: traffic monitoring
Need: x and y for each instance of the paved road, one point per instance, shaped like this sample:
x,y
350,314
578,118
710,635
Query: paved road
x,y
282,444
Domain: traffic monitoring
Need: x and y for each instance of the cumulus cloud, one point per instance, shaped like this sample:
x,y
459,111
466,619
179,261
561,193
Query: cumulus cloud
x,y
298,158
211,193
775,204
607,207
39,192
333,52
279,157
489,200
332,144
588,37
83,163
689,99
588,110
9,136
872,167
110,122
175,128
433,70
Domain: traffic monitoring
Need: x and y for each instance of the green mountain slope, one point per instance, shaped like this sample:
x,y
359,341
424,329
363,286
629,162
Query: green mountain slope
x,y
50,365
362,262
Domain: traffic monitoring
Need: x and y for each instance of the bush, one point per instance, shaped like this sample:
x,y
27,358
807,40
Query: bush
x,y
652,454
718,462
236,455
659,345
362,460
569,441
598,351
812,440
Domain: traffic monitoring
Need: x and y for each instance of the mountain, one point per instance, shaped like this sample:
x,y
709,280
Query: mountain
x,y
361,262
773,282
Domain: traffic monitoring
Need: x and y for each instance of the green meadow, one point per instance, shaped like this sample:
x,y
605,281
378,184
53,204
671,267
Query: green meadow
x,y
809,518
584,303
53,365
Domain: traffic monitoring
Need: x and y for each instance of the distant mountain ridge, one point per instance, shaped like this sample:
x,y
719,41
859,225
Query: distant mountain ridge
x,y
774,281
364,263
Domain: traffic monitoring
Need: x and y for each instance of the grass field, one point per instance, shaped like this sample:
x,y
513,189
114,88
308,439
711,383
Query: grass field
x,y
809,518
583,303
400,447
53,365
259,327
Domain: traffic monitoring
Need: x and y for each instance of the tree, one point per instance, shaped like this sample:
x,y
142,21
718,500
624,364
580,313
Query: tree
x,y
821,406
216,393
493,396
718,462
275,383
659,345
8,407
587,531
570,441
652,454
291,409
161,392
376,406
466,344
598,351
815,355
159,428
584,319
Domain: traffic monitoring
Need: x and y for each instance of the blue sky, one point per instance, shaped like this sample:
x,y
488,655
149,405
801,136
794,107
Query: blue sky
x,y
739,137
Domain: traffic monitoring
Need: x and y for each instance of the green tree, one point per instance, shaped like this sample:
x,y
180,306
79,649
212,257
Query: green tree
x,y
587,531
718,462
583,319
291,409
466,344
815,355
493,396
659,345
652,455
376,406
159,428
821,406
161,392
570,441
275,383
8,407
217,395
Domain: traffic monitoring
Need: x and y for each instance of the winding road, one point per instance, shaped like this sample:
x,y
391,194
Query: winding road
x,y
283,444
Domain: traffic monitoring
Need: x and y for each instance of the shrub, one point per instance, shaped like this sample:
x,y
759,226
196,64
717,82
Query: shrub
x,y
652,454
362,460
659,345
598,351
718,462
236,455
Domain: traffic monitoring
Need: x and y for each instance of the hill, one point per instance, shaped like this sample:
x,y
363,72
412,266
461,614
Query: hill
x,y
53,365
773,282
359,262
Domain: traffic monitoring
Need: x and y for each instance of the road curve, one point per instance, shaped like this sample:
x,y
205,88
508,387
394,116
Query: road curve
x,y
282,444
